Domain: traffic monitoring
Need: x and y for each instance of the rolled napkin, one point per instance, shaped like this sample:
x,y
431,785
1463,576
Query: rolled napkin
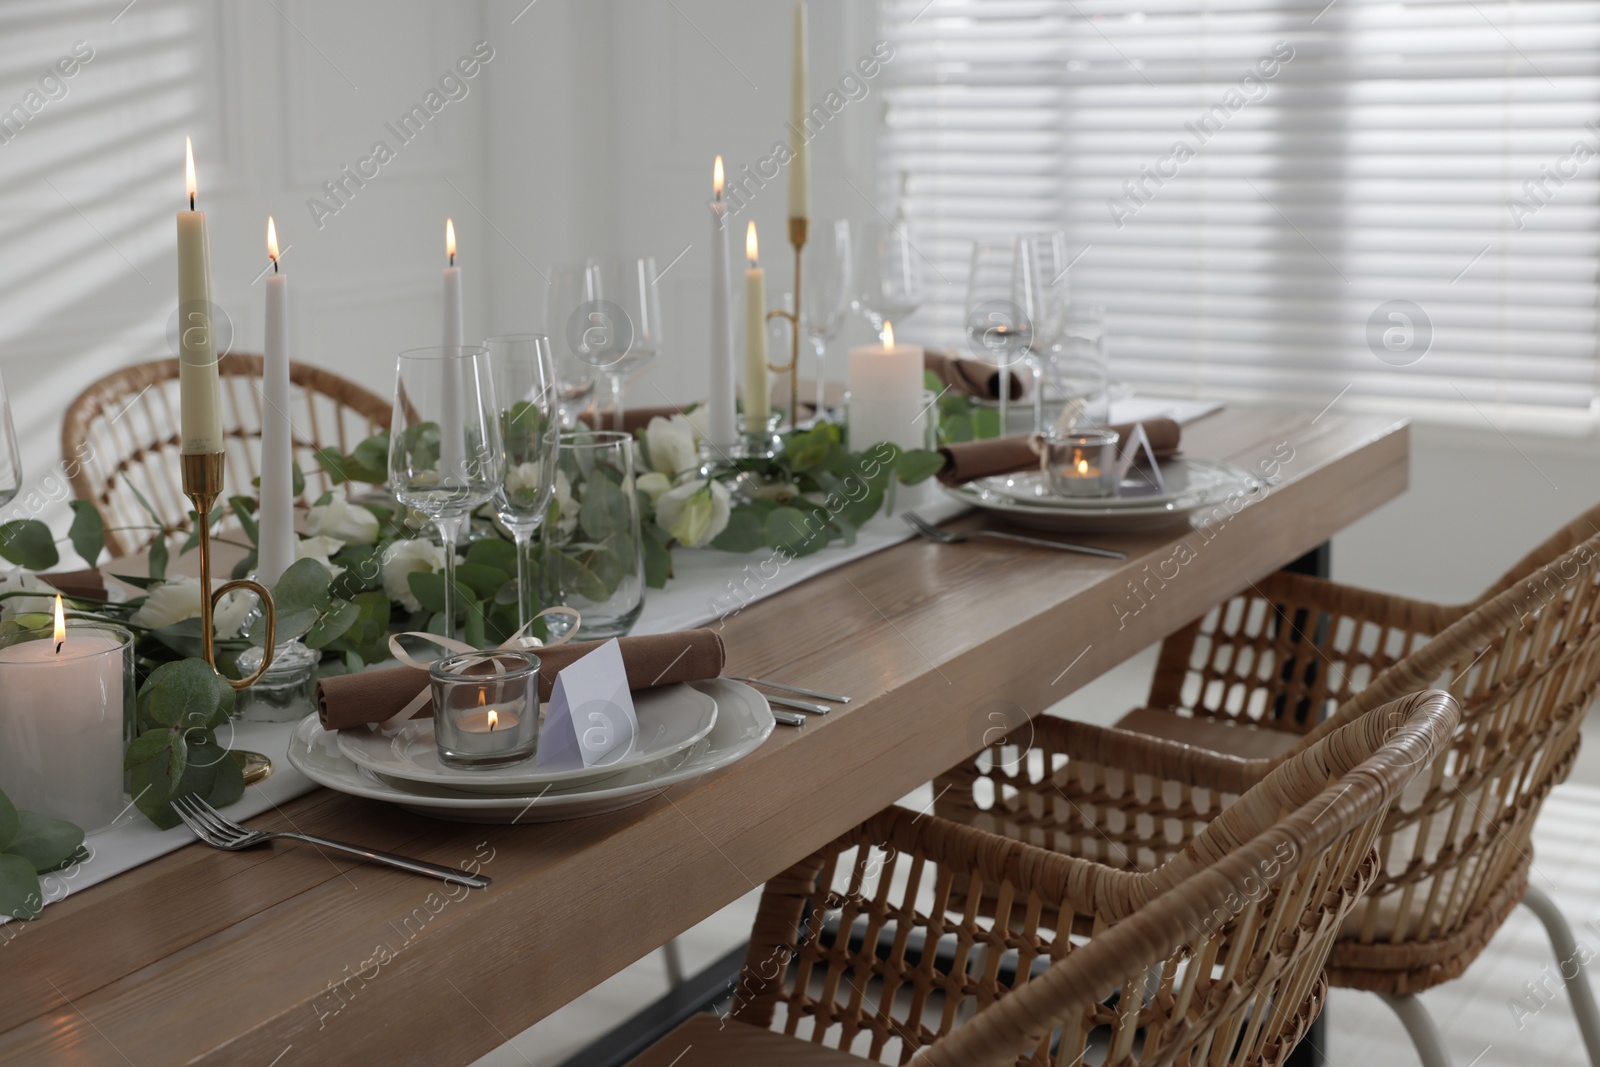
x,y
654,659
85,584
632,418
971,460
973,377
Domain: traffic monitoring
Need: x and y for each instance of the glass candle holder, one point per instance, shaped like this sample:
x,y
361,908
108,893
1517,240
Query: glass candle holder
x,y
486,708
66,708
1082,463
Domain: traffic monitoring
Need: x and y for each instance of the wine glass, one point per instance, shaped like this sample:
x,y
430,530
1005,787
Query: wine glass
x,y
530,429
445,452
1078,366
1047,253
10,458
888,277
828,291
622,322
575,371
1000,299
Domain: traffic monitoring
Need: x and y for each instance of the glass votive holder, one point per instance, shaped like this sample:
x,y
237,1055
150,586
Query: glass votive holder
x,y
66,705
485,708
1082,463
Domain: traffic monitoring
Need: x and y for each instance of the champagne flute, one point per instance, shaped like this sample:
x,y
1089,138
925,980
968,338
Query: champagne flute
x,y
445,452
1000,298
828,291
1047,253
622,320
888,277
576,374
530,428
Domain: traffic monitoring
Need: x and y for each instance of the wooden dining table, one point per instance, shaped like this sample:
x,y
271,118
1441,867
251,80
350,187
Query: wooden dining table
x,y
286,955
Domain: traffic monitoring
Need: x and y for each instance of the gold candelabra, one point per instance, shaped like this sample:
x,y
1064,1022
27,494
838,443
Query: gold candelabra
x,y
797,238
202,484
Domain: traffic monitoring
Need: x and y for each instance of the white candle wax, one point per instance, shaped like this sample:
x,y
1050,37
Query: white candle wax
x,y
452,455
721,424
757,393
61,727
276,521
477,722
886,396
199,389
800,165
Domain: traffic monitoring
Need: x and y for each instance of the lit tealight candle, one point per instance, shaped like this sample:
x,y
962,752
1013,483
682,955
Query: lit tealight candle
x,y
488,718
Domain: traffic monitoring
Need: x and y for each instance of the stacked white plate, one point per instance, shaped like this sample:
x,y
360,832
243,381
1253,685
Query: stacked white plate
x,y
1026,499
685,731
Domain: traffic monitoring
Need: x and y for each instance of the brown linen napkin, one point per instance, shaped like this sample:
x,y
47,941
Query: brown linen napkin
x,y
90,584
970,460
973,377
632,418
654,659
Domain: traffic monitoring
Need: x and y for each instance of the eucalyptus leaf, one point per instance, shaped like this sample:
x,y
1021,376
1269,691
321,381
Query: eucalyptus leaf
x,y
333,462
138,583
787,528
187,694
87,532
657,558
333,624
918,465
29,544
152,786
492,552
605,509
303,585
155,516
228,785
183,637
244,510
473,632
43,841
20,895
483,581
743,532
158,559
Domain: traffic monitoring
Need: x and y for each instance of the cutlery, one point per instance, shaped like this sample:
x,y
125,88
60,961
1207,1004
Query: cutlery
x,y
788,718
211,827
798,705
795,689
949,537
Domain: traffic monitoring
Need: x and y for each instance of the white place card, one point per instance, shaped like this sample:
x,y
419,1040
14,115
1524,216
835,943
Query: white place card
x,y
590,720
1135,479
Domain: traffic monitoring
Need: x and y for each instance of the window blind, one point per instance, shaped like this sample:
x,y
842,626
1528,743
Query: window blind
x,y
1393,203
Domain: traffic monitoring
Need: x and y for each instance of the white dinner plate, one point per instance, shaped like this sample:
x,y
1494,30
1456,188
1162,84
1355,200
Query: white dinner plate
x,y
671,719
744,721
1184,478
1101,516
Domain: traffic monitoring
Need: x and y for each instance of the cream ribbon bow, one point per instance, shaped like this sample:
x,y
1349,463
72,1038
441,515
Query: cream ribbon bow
x,y
516,641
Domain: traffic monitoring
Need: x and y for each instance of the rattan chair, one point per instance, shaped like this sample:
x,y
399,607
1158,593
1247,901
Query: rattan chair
x,y
1256,677
120,438
1216,956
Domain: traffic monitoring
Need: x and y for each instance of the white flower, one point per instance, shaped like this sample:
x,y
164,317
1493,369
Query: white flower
x,y
567,505
402,559
351,523
700,420
779,492
523,476
231,611
319,549
22,581
672,445
178,598
695,513
653,484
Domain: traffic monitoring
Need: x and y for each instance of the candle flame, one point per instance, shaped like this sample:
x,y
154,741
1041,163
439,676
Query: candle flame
x,y
450,239
61,625
272,240
494,719
188,170
888,335
716,177
1083,465
750,243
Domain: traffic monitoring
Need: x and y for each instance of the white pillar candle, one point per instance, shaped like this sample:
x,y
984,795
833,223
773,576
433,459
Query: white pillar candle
x,y
61,725
886,395
757,394
200,391
720,423
452,455
275,547
800,165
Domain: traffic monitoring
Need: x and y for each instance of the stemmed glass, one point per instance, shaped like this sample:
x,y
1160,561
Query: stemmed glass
x,y
1079,368
1047,252
888,276
828,291
530,428
445,452
576,373
1001,300
10,458
622,321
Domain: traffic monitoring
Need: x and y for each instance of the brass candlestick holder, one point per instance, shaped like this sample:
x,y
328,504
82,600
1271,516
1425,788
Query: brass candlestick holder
x,y
797,238
202,484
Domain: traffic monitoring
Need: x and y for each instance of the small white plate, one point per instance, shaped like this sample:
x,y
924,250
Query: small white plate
x,y
744,721
1221,482
671,719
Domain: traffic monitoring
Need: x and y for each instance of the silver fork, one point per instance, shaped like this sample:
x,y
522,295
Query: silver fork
x,y
213,828
948,537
